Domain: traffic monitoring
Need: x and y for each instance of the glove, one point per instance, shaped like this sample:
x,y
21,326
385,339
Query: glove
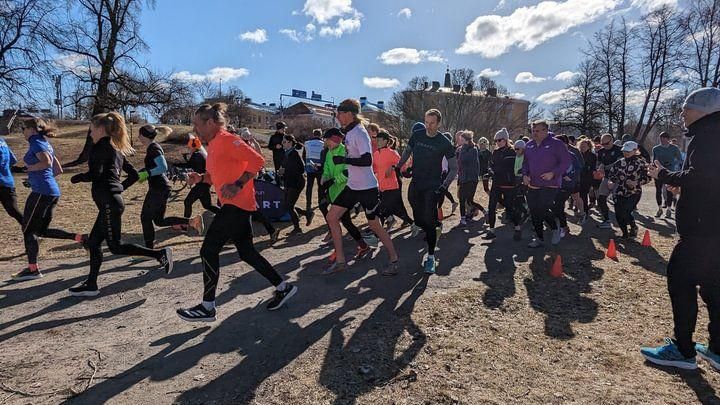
x,y
76,178
338,160
143,176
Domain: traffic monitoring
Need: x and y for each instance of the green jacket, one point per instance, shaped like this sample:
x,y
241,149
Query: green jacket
x,y
334,172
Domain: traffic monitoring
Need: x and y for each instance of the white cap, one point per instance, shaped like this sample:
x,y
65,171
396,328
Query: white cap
x,y
629,146
706,99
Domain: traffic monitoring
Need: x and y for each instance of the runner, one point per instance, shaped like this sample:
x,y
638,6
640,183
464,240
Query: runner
x,y
362,186
447,194
607,156
503,171
586,175
428,147
200,191
484,156
111,146
231,166
468,176
569,183
629,174
275,145
373,130
313,148
694,261
155,203
670,157
292,171
546,160
384,161
520,204
8,198
575,199
42,167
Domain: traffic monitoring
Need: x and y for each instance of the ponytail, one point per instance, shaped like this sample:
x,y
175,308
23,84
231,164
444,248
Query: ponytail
x,y
114,125
41,126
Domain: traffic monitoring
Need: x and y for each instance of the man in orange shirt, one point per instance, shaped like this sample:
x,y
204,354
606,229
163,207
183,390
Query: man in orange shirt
x,y
384,161
231,167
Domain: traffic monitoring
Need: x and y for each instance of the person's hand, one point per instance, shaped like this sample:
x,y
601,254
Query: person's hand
x,y
278,146
229,190
526,180
389,171
673,189
194,178
654,169
547,176
143,175
338,160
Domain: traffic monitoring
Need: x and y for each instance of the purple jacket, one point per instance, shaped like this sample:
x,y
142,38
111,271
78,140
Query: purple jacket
x,y
550,156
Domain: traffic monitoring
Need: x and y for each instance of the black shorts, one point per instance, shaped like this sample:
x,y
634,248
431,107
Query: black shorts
x,y
369,199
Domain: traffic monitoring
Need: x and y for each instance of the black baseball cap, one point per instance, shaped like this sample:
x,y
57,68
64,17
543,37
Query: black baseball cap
x,y
331,132
280,125
383,135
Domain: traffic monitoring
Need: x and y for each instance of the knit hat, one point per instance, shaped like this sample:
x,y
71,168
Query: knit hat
x,y
417,127
520,144
706,99
502,134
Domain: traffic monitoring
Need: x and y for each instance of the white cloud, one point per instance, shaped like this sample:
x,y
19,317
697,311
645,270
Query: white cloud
x,y
310,27
527,27
406,12
214,75
565,76
399,56
323,11
299,36
343,26
74,63
650,5
528,77
258,36
380,82
636,98
488,73
334,17
555,96
517,95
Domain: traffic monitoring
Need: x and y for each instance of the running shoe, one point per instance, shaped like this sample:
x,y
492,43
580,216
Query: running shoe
x,y
605,225
179,228
371,240
668,355
281,297
454,208
309,215
26,274
555,236
712,358
659,212
535,243
84,290
198,313
668,213
414,230
362,252
197,224
389,222
166,261
463,223
392,269
335,267
490,234
274,236
328,237
430,266
84,239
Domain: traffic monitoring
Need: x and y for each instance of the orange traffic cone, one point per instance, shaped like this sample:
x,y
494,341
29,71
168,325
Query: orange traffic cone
x,y
646,239
557,270
612,252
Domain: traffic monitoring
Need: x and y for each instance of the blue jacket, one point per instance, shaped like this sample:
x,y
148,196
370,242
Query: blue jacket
x,y
7,159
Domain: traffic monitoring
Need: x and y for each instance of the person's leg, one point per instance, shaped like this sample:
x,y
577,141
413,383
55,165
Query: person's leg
x,y
333,219
370,202
634,201
113,233
659,193
353,230
8,198
243,238
311,179
399,207
219,232
258,216
683,293
32,223
510,194
206,199
45,231
710,293
450,197
559,208
622,205
428,200
291,197
537,213
548,196
147,214
603,193
472,189
492,205
193,195
462,199
160,219
95,239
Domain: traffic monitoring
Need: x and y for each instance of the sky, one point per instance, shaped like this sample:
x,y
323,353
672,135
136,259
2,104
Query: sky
x,y
354,48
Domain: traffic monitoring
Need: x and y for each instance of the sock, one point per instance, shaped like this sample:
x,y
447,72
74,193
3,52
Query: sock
x,y
33,267
78,238
208,305
281,287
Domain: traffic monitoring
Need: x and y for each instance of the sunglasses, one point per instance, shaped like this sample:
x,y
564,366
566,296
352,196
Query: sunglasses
x,y
605,143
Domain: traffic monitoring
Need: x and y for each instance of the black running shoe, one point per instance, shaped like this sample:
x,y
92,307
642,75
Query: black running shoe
x,y
198,313
26,274
166,261
489,235
281,297
309,214
84,290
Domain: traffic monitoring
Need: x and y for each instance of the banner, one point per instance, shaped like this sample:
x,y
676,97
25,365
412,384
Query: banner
x,y
269,201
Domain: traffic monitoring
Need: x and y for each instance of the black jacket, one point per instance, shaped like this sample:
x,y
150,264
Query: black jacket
x,y
484,160
502,167
278,153
104,164
699,180
589,166
196,162
294,176
468,164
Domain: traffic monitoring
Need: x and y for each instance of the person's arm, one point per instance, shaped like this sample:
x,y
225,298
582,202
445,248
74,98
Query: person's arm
x,y
564,160
132,174
452,172
699,172
13,159
407,153
45,161
161,166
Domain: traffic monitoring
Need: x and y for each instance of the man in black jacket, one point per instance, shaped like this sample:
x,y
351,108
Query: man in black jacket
x,y
275,145
694,261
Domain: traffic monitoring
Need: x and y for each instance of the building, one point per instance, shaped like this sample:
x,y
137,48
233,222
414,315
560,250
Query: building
x,y
324,116
261,116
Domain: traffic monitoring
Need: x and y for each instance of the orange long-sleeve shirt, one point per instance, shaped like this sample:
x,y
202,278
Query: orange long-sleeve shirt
x,y
382,160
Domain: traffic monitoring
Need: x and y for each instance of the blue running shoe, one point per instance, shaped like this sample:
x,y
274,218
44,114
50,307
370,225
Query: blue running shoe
x,y
705,353
429,266
668,355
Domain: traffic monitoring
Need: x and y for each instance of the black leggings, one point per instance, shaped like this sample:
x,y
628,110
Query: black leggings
x,y
259,217
541,202
507,196
624,207
661,192
8,199
291,197
425,211
447,194
559,207
391,203
200,191
311,179
466,195
153,214
108,228
585,187
36,223
231,223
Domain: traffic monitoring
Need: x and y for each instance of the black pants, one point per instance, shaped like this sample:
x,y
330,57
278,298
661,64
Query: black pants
x,y
425,211
508,196
153,214
312,178
291,197
559,206
259,217
447,194
231,223
8,199
692,264
585,187
36,223
466,195
391,203
346,221
540,202
200,191
662,193
108,228
624,207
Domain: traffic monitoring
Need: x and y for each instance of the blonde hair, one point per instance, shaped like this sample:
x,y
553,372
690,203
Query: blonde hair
x,y
41,126
374,127
215,112
114,125
468,136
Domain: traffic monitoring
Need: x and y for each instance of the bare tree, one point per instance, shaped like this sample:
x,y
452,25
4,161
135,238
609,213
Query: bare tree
x,y
462,77
582,107
701,24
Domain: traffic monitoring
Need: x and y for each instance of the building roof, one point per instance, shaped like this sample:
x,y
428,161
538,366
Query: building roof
x,y
303,108
264,108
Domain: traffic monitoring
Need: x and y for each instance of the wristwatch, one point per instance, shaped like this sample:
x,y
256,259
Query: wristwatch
x,y
239,183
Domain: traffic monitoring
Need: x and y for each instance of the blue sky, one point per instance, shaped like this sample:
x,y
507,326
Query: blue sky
x,y
334,47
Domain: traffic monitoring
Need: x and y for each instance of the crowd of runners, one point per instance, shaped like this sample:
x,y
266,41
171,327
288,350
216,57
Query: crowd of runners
x,y
360,166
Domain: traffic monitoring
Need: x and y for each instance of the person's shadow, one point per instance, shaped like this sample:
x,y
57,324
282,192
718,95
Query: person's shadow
x,y
694,379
